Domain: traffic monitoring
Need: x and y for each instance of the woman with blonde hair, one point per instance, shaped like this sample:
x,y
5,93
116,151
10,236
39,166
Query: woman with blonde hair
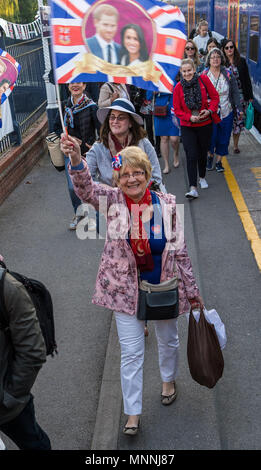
x,y
195,103
144,241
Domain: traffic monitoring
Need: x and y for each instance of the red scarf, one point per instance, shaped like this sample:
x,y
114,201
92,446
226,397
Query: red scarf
x,y
138,237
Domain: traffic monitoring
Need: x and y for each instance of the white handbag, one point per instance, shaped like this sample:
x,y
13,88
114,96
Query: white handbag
x,y
57,158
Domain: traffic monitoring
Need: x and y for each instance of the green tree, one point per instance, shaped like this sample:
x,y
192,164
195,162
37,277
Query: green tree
x,y
27,10
9,10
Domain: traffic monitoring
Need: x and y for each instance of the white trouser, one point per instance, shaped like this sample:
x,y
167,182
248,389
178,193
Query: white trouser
x,y
132,341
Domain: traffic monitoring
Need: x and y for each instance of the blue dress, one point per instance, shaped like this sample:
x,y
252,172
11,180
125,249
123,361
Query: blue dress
x,y
164,125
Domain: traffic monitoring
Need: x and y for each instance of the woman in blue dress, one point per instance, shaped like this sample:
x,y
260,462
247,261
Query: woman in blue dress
x,y
168,132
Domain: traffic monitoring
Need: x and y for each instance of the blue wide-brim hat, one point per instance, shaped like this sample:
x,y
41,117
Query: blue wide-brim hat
x,y
120,104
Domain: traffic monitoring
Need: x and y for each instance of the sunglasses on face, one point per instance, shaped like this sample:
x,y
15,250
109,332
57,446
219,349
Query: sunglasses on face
x,y
117,118
229,47
190,48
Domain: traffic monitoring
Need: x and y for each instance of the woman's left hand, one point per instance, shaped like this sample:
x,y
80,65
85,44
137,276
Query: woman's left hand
x,y
197,301
204,114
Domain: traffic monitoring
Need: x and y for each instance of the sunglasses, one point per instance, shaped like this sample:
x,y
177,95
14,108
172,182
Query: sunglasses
x,y
119,118
229,47
190,48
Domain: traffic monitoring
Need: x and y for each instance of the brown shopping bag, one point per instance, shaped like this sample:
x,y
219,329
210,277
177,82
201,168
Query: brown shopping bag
x,y
205,358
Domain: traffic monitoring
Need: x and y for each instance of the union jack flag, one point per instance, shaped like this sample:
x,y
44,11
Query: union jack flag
x,y
9,70
163,30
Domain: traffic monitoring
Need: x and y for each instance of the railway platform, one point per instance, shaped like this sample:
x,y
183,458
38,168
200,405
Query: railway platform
x,y
83,382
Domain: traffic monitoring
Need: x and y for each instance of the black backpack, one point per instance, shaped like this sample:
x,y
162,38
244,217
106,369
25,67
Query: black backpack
x,y
42,301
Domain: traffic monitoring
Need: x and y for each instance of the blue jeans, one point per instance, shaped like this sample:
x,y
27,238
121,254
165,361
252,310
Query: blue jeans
x,y
75,200
25,432
221,135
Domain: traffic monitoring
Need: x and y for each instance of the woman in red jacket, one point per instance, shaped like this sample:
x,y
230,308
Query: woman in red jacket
x,y
195,102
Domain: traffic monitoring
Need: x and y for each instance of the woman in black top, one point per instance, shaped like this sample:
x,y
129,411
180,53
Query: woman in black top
x,y
239,68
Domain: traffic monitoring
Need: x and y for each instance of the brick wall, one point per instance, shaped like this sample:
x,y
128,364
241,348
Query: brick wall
x,y
19,161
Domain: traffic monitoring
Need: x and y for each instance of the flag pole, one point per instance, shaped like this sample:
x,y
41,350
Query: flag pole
x,y
60,106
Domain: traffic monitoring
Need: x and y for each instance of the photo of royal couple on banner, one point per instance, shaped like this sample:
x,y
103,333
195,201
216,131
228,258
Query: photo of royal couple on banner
x,y
119,41
140,42
132,48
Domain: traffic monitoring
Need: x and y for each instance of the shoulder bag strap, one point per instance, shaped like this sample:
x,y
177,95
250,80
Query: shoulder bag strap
x,y
203,84
110,87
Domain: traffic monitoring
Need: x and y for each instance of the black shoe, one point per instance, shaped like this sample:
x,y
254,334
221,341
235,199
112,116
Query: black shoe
x,y
168,399
131,431
219,167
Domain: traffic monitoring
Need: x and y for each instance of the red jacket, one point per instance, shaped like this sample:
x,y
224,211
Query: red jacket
x,y
210,100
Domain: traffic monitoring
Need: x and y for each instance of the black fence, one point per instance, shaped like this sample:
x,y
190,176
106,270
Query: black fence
x,y
28,98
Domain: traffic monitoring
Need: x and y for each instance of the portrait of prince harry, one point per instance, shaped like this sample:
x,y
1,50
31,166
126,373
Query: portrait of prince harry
x,y
105,19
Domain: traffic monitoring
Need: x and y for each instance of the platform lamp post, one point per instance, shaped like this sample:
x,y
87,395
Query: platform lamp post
x,y
52,106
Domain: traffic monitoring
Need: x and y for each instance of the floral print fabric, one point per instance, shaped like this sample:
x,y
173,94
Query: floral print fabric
x,y
117,279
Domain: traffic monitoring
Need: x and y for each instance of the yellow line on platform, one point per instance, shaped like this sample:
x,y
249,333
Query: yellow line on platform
x,y
246,219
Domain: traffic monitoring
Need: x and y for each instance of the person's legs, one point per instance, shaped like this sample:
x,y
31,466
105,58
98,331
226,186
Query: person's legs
x,y
157,137
168,348
149,128
190,143
174,140
131,337
25,432
236,141
224,133
164,150
212,148
204,135
74,199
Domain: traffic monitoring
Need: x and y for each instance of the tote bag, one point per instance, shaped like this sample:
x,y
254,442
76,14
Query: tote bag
x,y
205,358
56,155
249,116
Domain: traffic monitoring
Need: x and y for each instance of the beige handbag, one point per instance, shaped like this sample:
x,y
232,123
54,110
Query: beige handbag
x,y
57,158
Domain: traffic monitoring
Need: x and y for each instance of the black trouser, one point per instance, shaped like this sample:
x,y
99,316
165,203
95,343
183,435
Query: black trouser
x,y
25,432
196,142
149,127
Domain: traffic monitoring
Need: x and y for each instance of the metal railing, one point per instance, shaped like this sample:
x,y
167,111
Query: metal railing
x,y
29,95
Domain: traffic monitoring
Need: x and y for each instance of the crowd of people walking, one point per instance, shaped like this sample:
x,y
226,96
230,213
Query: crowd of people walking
x,y
112,146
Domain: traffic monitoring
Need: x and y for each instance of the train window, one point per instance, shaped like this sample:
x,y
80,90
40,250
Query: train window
x,y
243,34
254,23
254,38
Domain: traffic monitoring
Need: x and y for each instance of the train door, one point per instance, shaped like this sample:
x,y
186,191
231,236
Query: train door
x,y
191,16
233,20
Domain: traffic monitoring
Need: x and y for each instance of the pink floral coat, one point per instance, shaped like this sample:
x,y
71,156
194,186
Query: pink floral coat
x,y
117,280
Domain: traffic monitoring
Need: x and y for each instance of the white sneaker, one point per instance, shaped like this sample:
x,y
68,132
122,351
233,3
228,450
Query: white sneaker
x,y
73,223
192,194
203,183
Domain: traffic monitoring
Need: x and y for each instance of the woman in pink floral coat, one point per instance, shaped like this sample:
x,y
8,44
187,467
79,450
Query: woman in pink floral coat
x,y
156,259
